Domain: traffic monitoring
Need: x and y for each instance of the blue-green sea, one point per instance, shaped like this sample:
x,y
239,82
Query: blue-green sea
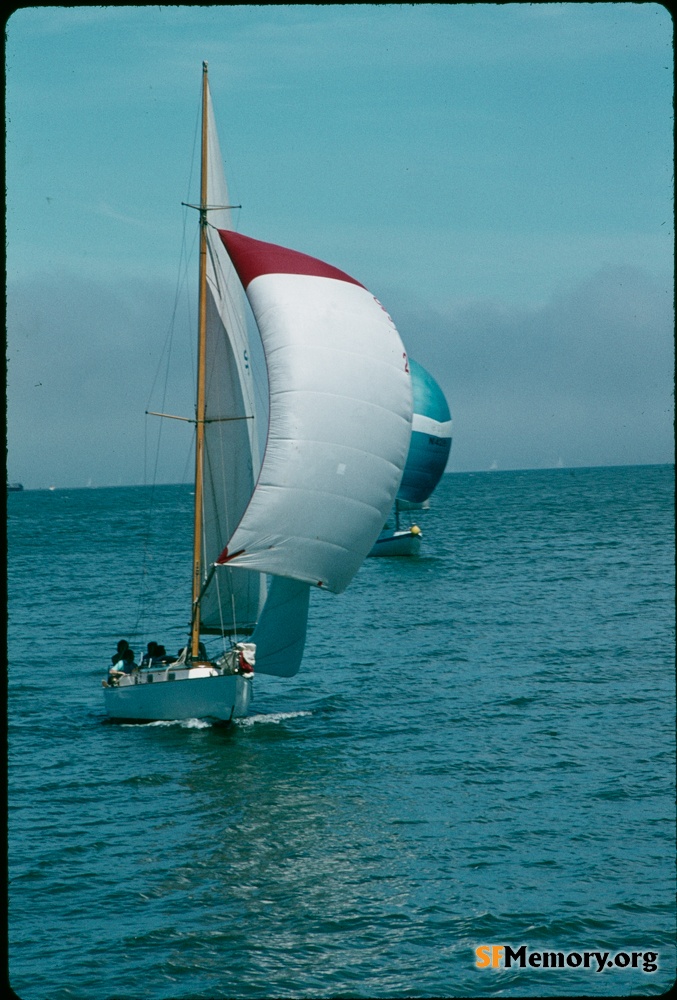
x,y
479,750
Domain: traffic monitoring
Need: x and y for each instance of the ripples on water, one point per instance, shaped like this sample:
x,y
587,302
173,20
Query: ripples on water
x,y
479,749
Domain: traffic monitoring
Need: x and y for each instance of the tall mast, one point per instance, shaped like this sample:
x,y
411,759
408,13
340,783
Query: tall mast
x,y
201,365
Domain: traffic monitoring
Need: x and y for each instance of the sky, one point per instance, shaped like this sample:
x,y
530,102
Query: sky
x,y
499,176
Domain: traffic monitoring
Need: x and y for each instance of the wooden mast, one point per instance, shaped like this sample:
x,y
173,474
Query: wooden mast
x,y
201,366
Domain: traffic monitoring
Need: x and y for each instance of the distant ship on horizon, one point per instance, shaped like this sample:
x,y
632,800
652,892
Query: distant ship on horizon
x,y
14,487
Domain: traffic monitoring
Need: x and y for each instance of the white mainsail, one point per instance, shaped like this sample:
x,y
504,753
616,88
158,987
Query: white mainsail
x,y
232,600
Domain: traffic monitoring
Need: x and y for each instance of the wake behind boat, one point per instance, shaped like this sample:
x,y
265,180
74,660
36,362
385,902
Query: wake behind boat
x,y
306,515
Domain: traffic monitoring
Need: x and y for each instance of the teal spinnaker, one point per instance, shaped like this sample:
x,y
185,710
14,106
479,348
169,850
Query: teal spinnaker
x,y
430,438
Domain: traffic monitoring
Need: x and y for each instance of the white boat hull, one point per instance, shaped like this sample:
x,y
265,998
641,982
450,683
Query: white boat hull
x,y
195,693
397,543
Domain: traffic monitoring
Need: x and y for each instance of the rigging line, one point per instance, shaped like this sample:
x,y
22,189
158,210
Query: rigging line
x,y
220,606
209,474
232,602
217,577
150,512
242,322
196,137
226,507
141,603
181,288
147,558
245,323
182,283
232,591
192,420
210,225
209,471
216,388
210,208
187,466
143,606
195,167
223,508
167,353
218,601
224,484
232,333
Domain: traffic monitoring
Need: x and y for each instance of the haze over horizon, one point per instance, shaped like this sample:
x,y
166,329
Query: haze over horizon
x,y
500,177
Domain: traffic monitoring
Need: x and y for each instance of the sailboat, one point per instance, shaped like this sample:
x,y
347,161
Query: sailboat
x,y
426,461
306,513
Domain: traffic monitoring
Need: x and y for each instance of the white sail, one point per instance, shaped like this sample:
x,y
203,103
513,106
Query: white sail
x,y
232,599
280,635
339,423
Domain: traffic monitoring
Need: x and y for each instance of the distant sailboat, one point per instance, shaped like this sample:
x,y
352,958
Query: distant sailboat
x,y
306,515
427,459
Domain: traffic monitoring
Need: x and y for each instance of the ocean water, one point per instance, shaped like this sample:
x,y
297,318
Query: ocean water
x,y
478,750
